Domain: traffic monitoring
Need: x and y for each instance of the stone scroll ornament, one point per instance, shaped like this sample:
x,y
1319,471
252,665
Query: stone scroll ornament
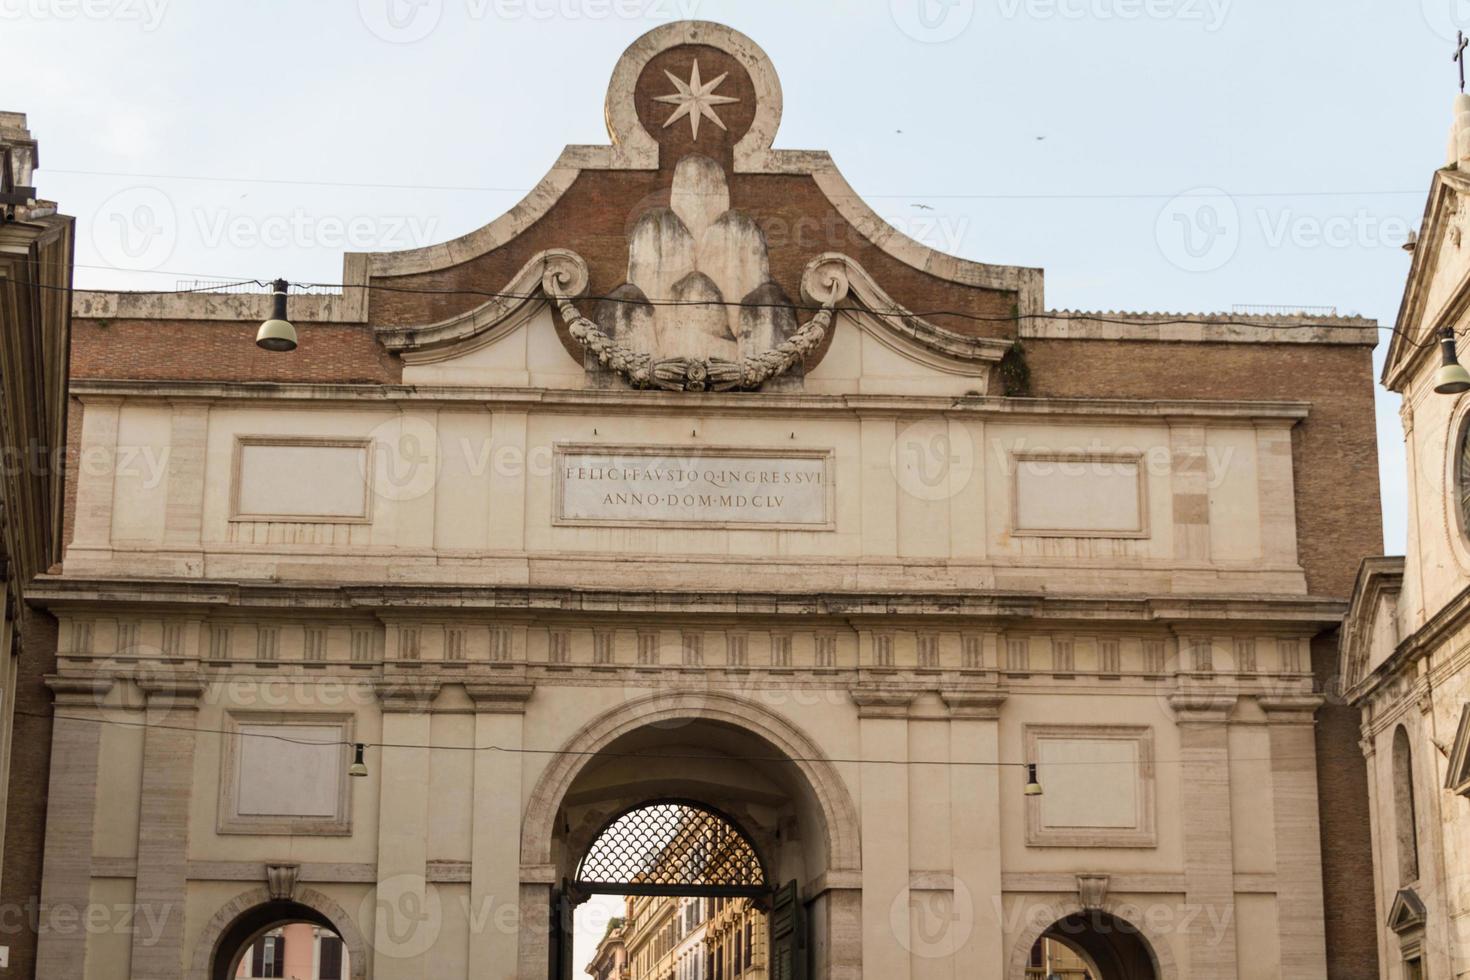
x,y
699,310
642,369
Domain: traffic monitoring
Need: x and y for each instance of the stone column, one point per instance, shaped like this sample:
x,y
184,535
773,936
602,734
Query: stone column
x,y
1209,860
878,486
188,446
407,922
836,926
163,828
510,473
975,794
71,812
96,471
1191,496
1276,495
1381,890
1302,925
535,931
884,741
495,860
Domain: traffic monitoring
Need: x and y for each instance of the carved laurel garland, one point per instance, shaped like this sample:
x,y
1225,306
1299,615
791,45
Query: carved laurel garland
x,y
641,370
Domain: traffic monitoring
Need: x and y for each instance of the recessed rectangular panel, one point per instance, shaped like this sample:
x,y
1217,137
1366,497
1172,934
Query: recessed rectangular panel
x,y
1089,782
285,773
301,481
1079,495
289,770
1097,786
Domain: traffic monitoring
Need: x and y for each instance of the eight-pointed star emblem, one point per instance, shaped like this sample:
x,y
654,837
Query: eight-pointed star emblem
x,y
695,99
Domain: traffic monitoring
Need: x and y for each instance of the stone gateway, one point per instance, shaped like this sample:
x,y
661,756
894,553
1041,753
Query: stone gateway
x,y
645,548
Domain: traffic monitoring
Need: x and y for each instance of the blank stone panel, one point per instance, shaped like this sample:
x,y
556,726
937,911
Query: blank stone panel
x,y
301,481
284,776
1060,496
287,778
1098,783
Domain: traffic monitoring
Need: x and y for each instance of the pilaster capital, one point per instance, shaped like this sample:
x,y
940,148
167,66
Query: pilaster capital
x,y
495,698
411,695
882,702
1291,709
1201,708
974,705
181,693
80,692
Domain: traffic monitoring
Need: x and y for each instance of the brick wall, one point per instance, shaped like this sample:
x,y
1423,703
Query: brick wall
x,y
217,350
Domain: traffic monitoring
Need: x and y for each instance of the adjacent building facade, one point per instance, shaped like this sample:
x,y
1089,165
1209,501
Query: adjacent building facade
x,y
610,960
685,939
36,260
1404,654
656,492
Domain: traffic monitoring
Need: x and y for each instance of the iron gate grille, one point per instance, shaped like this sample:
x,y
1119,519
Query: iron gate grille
x,y
672,848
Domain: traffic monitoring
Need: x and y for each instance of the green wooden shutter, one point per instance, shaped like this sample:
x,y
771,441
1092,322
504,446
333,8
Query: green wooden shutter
x,y
788,935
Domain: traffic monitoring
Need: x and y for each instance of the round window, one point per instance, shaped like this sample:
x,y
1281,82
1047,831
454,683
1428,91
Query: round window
x,y
1462,477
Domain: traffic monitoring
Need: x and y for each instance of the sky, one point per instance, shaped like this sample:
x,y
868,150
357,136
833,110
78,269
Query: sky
x,y
1151,155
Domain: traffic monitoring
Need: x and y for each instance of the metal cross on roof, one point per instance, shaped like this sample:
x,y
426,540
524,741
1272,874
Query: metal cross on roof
x,y
1461,43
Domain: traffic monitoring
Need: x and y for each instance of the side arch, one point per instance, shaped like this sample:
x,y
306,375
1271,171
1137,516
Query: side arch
x,y
839,813
1044,919
257,902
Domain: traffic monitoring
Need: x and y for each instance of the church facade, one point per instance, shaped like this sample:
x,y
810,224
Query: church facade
x,y
689,486
1404,660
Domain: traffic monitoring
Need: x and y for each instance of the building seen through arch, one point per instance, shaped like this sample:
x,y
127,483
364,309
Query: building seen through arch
x,y
691,535
298,950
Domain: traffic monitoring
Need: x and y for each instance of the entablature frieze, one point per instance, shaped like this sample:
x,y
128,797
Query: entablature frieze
x,y
970,647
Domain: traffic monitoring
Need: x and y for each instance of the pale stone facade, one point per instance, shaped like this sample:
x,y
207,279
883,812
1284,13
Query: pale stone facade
x,y
544,581
1404,653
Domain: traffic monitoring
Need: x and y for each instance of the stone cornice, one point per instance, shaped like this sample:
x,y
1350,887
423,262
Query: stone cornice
x,y
1129,411
1407,349
1295,614
1452,616
1205,328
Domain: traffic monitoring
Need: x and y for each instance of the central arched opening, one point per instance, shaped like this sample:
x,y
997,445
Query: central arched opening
x,y
695,895
701,814
1092,945
283,939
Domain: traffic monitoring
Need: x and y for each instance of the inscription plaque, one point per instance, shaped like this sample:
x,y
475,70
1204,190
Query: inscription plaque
x,y
675,487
